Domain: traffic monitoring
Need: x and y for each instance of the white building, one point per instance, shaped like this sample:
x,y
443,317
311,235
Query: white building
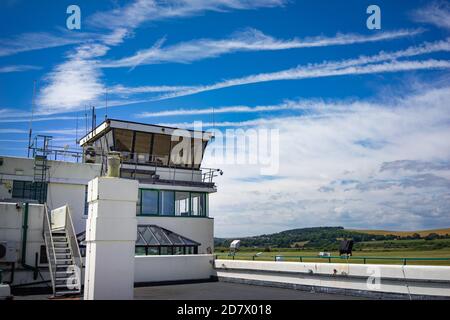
x,y
174,191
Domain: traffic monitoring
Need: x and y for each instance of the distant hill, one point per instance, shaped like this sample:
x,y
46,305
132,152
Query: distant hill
x,y
422,233
328,237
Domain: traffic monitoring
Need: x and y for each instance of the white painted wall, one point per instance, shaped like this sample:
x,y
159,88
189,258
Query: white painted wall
x,y
172,268
60,194
110,239
199,229
414,280
11,219
67,185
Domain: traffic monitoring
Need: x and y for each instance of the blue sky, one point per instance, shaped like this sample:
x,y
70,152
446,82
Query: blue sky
x,y
375,99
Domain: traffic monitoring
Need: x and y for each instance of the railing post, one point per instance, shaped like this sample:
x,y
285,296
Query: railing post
x,y
364,260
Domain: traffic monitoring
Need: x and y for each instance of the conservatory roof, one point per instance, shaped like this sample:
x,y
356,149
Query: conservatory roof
x,y
153,235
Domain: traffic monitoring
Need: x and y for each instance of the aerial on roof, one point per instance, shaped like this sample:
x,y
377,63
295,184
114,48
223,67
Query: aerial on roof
x,y
141,127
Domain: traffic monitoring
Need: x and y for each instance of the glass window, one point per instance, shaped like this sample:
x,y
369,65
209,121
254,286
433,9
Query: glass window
x,y
198,204
109,140
29,190
123,142
178,250
198,145
142,144
167,203
86,204
180,154
152,251
149,202
140,251
182,203
161,149
138,206
166,251
189,250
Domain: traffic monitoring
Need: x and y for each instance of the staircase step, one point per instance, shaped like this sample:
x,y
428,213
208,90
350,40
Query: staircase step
x,y
62,249
62,286
68,292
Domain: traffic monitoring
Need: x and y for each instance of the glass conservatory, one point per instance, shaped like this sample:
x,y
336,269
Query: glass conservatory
x,y
154,240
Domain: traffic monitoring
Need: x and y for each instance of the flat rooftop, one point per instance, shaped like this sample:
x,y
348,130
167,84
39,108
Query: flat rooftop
x,y
216,291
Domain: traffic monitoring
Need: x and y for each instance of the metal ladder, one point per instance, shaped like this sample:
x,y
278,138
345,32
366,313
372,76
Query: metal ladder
x,y
40,174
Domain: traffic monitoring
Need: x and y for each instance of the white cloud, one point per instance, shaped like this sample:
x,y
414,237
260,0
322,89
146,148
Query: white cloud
x,y
12,130
140,11
360,65
39,40
18,68
323,152
122,90
71,85
248,40
436,13
318,71
77,82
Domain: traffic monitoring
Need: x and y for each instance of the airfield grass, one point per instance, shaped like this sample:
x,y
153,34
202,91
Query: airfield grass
x,y
294,256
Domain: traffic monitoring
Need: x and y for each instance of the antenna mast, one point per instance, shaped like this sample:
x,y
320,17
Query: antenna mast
x,y
30,132
106,104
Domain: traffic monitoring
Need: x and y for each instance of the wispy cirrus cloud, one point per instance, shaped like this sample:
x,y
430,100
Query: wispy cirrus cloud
x,y
77,82
317,71
140,11
18,68
379,63
286,105
328,177
39,40
436,13
123,90
248,40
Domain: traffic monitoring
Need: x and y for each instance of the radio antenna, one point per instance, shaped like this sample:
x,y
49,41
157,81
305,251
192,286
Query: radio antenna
x,y
76,130
106,104
30,132
86,119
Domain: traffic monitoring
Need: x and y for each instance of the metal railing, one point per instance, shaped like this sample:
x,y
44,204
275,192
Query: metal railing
x,y
74,248
49,246
154,162
302,258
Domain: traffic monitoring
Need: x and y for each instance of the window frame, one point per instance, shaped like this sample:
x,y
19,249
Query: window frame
x,y
157,205
159,211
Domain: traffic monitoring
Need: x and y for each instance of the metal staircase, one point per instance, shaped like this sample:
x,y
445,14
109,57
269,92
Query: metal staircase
x,y
63,253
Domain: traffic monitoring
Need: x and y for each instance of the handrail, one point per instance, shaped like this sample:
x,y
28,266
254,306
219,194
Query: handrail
x,y
206,175
49,244
73,242
329,258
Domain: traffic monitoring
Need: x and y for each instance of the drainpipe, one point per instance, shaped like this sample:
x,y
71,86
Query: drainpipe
x,y
24,243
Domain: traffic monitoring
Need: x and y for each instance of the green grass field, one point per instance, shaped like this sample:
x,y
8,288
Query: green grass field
x,y
293,255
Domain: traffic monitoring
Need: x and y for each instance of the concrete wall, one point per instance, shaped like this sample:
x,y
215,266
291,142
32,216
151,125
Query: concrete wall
x,y
199,229
172,268
358,279
60,194
11,220
67,185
